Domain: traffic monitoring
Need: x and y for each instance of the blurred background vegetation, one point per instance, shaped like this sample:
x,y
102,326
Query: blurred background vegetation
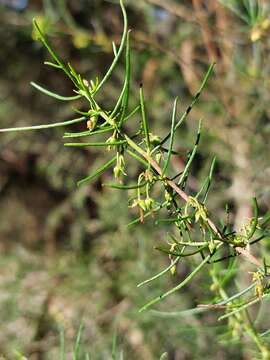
x,y
67,255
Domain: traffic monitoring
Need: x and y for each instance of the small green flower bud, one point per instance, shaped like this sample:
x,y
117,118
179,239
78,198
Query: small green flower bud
x,y
91,123
168,196
117,171
154,139
149,202
149,176
142,204
214,287
85,82
173,270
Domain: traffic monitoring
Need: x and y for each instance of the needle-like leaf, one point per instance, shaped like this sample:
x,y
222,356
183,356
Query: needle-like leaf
x,y
99,171
193,102
43,127
123,98
173,263
144,119
167,162
54,95
191,157
207,182
255,219
113,143
119,53
125,187
68,135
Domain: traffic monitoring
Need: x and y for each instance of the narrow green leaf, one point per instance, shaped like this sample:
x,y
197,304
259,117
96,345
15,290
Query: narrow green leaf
x,y
133,112
255,219
144,119
53,54
76,351
147,214
137,157
166,221
174,314
84,113
173,263
114,49
210,178
265,333
191,158
263,236
73,74
125,187
68,135
54,95
180,254
190,244
265,219
123,98
97,172
171,138
42,127
44,41
120,50
193,102
115,143
49,63
207,182
164,356
114,345
237,295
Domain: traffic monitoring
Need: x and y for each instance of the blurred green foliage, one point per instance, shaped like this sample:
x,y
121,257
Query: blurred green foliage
x,y
67,255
